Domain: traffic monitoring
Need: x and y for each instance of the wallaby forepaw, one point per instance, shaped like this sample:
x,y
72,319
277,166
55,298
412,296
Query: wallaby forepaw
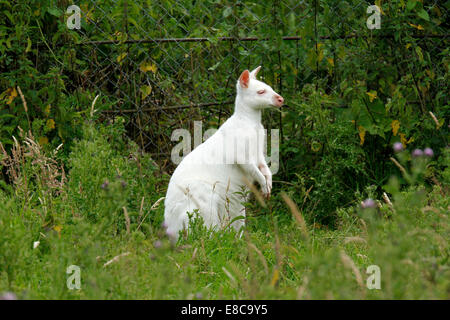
x,y
268,187
266,190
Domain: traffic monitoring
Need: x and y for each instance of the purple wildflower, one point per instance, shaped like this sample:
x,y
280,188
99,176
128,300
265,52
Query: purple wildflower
x,y
157,244
417,153
105,185
199,296
428,152
368,203
398,146
8,296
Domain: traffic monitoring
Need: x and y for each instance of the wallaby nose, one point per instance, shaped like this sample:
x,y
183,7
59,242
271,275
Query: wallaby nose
x,y
279,100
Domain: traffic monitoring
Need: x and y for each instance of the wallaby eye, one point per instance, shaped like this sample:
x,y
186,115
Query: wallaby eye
x,y
262,91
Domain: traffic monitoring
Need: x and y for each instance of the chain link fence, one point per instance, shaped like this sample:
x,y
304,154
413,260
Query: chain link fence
x,y
158,64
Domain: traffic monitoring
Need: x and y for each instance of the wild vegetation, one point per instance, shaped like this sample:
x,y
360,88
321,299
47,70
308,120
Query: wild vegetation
x,y
363,177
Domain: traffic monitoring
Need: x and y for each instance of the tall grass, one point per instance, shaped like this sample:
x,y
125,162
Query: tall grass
x,y
104,215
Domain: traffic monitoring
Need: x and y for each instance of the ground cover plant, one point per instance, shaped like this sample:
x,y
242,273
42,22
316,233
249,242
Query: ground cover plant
x,y
105,217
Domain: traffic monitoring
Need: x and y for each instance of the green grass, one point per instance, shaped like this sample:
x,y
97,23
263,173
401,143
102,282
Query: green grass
x,y
83,222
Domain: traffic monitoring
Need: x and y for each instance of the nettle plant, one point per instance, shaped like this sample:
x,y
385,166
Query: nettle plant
x,y
36,58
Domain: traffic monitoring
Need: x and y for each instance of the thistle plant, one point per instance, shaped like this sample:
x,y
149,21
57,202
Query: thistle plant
x,y
417,162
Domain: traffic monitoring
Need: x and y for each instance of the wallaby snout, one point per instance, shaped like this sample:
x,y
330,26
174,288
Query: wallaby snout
x,y
278,100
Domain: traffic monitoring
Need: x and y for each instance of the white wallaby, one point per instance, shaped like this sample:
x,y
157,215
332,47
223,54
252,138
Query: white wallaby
x,y
211,178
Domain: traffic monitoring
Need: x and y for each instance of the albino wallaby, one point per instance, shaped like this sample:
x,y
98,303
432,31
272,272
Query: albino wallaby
x,y
210,178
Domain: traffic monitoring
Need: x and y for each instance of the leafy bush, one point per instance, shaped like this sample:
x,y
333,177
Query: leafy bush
x,y
106,176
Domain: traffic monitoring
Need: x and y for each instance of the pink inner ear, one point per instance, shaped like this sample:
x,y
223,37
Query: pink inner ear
x,y
244,79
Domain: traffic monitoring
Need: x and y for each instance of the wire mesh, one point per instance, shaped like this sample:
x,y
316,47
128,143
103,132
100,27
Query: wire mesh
x,y
158,63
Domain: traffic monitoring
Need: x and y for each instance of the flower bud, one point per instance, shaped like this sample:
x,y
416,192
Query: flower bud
x,y
368,203
105,185
417,153
157,244
8,296
398,146
428,152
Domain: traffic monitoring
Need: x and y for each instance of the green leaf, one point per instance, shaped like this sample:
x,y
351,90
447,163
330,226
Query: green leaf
x,y
55,12
419,53
411,4
214,66
145,91
7,115
227,12
10,16
423,14
28,45
364,119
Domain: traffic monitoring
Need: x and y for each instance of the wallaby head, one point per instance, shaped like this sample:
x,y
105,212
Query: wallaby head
x,y
256,94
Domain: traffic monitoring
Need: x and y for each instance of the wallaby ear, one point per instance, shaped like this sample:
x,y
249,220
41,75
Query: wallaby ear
x,y
244,79
254,73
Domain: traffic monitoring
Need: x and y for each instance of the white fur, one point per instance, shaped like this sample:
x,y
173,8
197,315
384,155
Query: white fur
x,y
209,178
